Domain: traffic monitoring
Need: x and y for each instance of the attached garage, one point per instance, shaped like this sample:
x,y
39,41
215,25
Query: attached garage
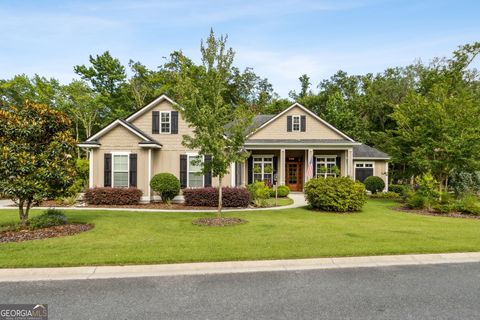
x,y
368,162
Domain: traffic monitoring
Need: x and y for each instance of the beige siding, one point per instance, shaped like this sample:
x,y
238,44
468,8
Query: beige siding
x,y
120,139
278,128
169,141
379,170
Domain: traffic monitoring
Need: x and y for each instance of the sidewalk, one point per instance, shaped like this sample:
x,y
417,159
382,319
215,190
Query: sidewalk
x,y
183,269
298,201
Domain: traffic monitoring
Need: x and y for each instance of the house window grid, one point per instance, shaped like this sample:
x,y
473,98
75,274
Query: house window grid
x,y
296,123
195,174
123,171
326,161
261,171
165,122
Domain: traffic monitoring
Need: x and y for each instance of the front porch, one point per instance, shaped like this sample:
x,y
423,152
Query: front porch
x,y
294,166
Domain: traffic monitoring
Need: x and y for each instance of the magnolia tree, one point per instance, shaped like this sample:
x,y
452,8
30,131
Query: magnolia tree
x,y
204,96
36,148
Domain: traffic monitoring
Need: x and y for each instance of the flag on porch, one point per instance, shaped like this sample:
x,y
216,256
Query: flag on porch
x,y
310,168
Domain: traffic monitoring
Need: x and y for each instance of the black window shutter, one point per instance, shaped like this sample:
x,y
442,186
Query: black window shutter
x,y
174,129
238,173
107,170
338,163
289,123
303,123
155,122
183,170
250,170
314,162
208,176
133,170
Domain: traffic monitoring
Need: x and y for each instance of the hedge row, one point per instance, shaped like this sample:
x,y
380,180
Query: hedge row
x,y
208,197
113,196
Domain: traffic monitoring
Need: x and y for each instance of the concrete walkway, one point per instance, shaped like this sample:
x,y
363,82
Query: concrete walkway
x,y
297,197
112,272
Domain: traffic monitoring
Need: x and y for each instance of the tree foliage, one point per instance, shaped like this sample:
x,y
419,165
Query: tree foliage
x,y
36,154
207,103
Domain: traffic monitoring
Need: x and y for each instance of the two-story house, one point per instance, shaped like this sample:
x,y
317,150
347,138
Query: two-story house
x,y
290,147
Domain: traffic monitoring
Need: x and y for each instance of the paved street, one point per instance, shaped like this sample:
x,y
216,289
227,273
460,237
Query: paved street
x,y
442,291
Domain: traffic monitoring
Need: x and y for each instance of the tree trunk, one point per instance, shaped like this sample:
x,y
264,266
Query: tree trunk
x,y
220,201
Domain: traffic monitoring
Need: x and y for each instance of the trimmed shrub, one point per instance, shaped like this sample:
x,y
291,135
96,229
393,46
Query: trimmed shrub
x,y
443,208
166,185
282,191
401,189
208,197
49,218
374,184
113,196
417,201
335,194
385,195
469,204
259,190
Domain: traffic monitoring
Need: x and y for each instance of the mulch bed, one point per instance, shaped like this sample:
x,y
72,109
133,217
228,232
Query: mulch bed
x,y
51,232
426,212
218,222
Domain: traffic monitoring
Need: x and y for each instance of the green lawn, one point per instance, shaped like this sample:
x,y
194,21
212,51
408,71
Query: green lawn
x,y
280,202
142,238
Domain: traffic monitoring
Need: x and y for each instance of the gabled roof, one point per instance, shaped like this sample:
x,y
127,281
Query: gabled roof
x,y
152,104
146,139
363,151
296,104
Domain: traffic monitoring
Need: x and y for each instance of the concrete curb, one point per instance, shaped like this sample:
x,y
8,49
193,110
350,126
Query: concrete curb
x,y
184,269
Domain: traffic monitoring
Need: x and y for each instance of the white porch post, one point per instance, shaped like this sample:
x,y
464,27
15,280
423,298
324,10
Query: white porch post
x,y
233,173
149,195
281,175
307,163
350,163
386,176
90,168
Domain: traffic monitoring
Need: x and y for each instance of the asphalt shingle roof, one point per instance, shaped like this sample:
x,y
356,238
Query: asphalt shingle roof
x,y
364,151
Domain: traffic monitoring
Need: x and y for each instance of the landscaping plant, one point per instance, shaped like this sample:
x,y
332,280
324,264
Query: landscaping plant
x,y
49,218
374,184
113,196
36,155
166,185
340,194
208,197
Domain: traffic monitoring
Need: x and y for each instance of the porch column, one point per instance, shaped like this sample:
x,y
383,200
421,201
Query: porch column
x,y
350,163
281,172
149,195
90,168
307,163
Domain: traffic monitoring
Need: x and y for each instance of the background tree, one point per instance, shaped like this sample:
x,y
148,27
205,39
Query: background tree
x,y
438,126
205,102
36,155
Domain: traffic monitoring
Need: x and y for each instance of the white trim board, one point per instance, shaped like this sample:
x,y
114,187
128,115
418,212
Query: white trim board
x,y
137,114
114,124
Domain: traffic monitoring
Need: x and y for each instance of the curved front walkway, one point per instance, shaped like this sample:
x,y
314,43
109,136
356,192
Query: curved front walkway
x,y
297,197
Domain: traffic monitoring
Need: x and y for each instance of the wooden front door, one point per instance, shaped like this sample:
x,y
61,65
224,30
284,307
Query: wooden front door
x,y
294,176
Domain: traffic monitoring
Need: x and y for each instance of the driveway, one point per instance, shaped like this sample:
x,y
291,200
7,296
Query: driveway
x,y
442,291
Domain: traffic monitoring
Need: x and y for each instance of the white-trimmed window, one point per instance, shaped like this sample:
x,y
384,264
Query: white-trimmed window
x,y
326,166
364,165
295,123
120,170
195,175
263,169
165,122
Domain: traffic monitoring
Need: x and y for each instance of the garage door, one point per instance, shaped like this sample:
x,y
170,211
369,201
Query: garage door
x,y
363,170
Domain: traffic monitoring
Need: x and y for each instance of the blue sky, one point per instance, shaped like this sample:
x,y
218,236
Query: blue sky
x,y
280,39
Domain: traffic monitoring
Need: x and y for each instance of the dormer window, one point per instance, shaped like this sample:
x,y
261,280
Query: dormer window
x,y
165,122
295,123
